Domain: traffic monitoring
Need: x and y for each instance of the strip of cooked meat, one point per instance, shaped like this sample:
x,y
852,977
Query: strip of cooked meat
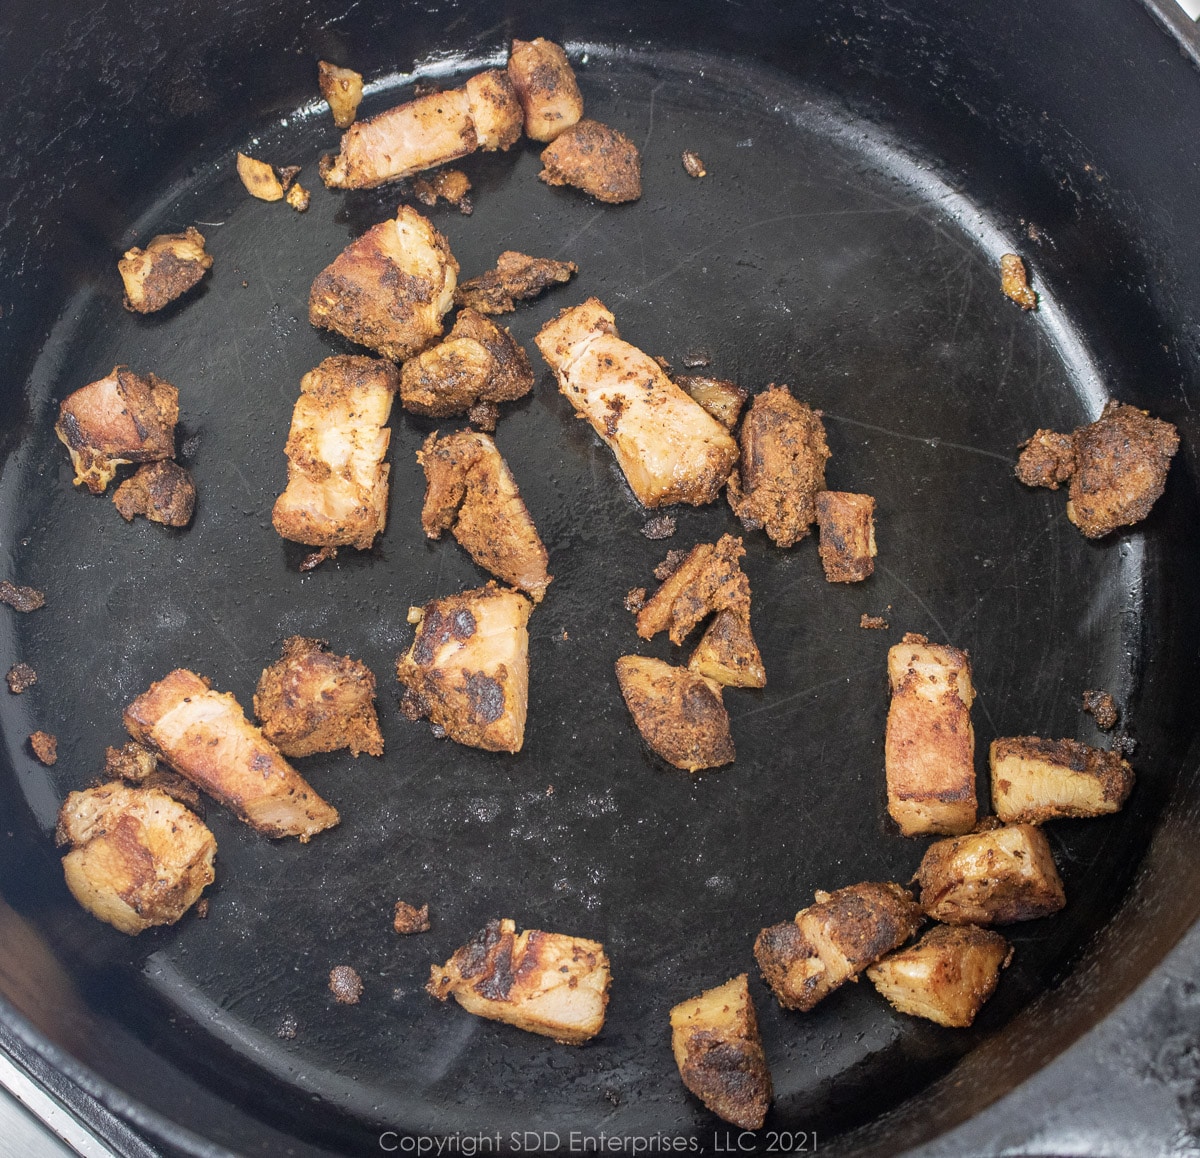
x,y
1036,780
137,859
428,131
782,468
994,877
205,736
547,983
728,653
680,714
21,677
123,417
847,526
314,701
478,361
337,489
517,277
389,289
833,941
166,269
720,1055
708,578
1014,281
670,448
45,747
930,745
408,919
342,88
602,162
722,399
471,492
467,670
1102,708
946,976
546,87
450,185
164,492
23,599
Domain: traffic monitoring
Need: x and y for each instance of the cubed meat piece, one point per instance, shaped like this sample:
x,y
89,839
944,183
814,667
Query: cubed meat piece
x,y
1014,281
166,269
709,578
342,88
1036,780
546,983
137,859
389,289
602,162
833,941
722,399
946,976
314,701
337,489
467,670
517,277
204,735
164,492
478,361
471,492
670,448
546,87
720,1055
680,714
408,919
727,652
451,185
990,878
429,131
1046,460
930,745
121,418
847,525
782,467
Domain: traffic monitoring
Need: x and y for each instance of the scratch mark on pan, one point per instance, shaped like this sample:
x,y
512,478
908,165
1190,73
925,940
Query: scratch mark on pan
x,y
777,704
931,442
946,637
650,125
587,225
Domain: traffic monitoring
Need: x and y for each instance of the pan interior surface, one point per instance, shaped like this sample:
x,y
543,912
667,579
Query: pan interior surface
x,y
815,253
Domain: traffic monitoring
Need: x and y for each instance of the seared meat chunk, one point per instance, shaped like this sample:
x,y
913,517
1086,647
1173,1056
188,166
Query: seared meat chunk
x,y
847,525
467,670
670,448
137,859
782,467
679,714
450,185
205,736
166,269
20,677
426,132
990,878
24,599
547,983
722,399
517,277
314,701
946,976
408,919
930,745
45,747
720,1055
471,492
1117,467
546,87
164,492
478,361
1102,708
833,941
602,162
337,489
1014,281
709,578
342,88
389,289
727,652
1036,780
121,418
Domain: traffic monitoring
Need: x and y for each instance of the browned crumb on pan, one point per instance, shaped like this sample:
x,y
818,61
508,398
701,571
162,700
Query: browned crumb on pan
x,y
1046,460
21,598
660,527
20,677
635,599
697,359
409,919
1102,707
1014,281
45,747
517,277
164,492
345,984
288,1027
288,174
313,561
166,269
450,185
601,161
670,565
872,622
298,198
201,909
693,165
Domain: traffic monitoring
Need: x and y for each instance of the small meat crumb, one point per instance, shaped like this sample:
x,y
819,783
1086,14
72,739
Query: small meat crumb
x,y
288,1027
693,165
1103,708
1126,745
202,909
483,415
669,565
287,174
21,598
635,600
872,622
696,360
45,747
1014,281
345,984
298,198
450,185
313,561
20,676
409,919
660,527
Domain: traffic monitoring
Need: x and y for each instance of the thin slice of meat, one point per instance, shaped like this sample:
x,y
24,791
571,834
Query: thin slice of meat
x,y
601,161
517,277
546,87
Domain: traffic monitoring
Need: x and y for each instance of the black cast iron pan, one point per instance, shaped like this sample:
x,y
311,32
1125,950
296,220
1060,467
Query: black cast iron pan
x,y
867,168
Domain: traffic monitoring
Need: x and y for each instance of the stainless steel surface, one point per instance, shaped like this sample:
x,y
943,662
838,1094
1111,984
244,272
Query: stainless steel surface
x,y
35,1125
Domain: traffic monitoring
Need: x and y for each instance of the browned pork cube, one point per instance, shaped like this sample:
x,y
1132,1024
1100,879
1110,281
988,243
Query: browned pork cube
x,y
546,983
164,492
517,277
1036,780
546,87
833,941
166,269
602,162
847,525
